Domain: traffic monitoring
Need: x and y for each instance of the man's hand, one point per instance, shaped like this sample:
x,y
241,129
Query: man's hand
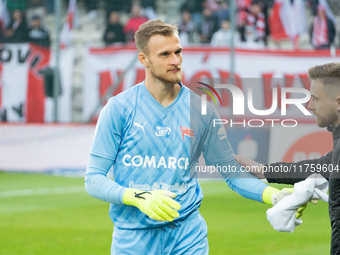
x,y
272,196
283,193
157,204
252,166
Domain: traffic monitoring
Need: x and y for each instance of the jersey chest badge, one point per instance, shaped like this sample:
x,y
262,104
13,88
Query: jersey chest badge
x,y
187,132
163,131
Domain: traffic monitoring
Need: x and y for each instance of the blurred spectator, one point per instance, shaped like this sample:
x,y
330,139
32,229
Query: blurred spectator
x,y
186,29
256,25
35,7
264,6
243,7
288,20
37,34
329,13
117,5
114,30
16,5
17,30
195,7
208,26
149,9
222,12
212,4
91,7
323,29
134,22
223,36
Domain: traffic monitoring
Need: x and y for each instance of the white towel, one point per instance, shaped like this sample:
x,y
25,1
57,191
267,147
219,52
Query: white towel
x,y
282,215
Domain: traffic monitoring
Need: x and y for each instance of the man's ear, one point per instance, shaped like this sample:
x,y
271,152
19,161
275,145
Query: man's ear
x,y
338,102
143,59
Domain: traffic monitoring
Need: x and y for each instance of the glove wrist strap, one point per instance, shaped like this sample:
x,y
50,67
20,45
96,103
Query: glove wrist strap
x,y
268,194
128,197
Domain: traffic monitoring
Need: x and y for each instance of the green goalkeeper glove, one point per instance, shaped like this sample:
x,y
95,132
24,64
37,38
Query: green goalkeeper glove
x,y
272,196
157,204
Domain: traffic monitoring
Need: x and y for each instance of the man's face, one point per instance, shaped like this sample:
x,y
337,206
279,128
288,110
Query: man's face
x,y
256,9
323,106
17,15
114,17
135,10
36,23
225,25
165,58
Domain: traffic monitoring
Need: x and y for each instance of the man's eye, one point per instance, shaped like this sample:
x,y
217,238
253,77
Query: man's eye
x,y
165,54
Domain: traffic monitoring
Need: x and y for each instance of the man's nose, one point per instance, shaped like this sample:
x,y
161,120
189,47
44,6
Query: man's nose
x,y
174,60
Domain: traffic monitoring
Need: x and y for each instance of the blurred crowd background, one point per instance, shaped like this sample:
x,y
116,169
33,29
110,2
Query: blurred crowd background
x,y
299,24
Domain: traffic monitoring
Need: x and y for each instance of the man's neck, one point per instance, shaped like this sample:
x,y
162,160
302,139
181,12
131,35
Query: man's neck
x,y
336,124
165,93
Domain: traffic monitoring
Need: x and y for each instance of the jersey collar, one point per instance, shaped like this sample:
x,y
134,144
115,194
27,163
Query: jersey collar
x,y
157,105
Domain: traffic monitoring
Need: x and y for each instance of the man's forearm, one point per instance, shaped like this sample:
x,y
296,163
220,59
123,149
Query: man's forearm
x,y
244,183
290,173
98,185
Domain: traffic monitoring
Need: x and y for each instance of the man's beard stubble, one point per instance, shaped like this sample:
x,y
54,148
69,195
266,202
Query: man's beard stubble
x,y
172,78
328,119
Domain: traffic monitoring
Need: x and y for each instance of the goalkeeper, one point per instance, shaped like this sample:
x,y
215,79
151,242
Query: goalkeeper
x,y
152,135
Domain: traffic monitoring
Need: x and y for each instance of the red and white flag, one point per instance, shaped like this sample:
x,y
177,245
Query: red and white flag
x,y
187,131
65,38
25,90
243,10
328,10
287,19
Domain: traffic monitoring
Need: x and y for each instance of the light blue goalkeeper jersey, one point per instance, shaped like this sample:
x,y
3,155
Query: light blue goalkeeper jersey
x,y
154,147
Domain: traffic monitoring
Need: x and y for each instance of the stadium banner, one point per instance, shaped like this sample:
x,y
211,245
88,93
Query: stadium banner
x,y
26,83
261,70
306,141
50,148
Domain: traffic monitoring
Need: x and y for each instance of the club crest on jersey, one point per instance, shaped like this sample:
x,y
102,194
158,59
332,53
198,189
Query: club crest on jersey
x,y
187,131
162,131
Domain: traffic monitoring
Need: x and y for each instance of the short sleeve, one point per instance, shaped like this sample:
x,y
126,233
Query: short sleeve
x,y
108,133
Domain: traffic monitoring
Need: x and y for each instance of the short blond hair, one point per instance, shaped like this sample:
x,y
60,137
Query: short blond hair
x,y
329,76
151,28
330,70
